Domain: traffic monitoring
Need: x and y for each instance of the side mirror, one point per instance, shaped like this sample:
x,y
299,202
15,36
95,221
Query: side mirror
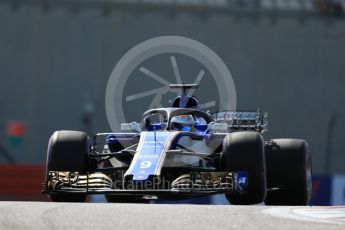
x,y
218,127
131,127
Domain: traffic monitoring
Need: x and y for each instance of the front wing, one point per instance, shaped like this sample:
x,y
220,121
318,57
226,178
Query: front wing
x,y
194,183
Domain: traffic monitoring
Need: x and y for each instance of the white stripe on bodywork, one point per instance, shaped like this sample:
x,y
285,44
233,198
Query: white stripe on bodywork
x,y
151,152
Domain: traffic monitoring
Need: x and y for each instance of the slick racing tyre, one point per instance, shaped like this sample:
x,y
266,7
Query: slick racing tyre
x,y
288,172
68,151
244,151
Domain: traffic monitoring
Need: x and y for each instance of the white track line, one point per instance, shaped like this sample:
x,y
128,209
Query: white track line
x,y
327,214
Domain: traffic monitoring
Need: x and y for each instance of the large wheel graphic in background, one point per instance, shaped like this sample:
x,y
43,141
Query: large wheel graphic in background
x,y
173,46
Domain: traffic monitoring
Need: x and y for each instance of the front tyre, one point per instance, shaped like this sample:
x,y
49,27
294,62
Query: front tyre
x,y
244,151
68,151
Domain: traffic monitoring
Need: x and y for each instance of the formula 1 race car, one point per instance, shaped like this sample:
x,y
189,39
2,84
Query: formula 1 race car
x,y
181,152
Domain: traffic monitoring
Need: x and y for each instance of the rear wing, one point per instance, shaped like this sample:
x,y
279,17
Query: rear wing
x,y
183,86
243,120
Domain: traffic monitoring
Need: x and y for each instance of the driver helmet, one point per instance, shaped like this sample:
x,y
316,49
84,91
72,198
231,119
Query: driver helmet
x,y
182,122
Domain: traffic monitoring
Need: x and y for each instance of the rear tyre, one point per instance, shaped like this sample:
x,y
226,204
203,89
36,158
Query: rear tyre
x,y
289,171
244,151
68,151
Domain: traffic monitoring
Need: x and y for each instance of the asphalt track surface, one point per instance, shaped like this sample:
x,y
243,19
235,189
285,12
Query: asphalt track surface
x,y
40,215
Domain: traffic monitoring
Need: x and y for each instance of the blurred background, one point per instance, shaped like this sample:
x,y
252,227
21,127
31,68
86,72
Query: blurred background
x,y
286,57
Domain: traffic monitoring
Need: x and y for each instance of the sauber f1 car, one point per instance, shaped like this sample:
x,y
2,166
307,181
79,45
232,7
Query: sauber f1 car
x,y
181,152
